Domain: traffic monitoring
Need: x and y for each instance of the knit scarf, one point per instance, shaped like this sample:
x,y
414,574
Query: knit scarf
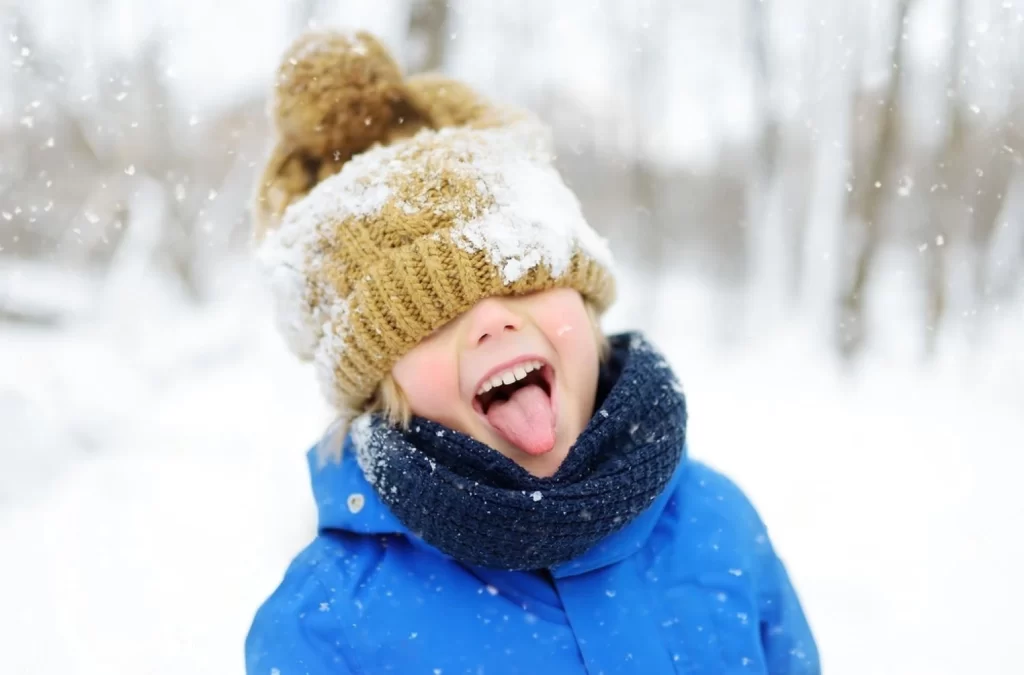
x,y
481,508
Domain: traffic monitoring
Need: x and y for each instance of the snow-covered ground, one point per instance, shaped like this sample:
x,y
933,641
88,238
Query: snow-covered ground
x,y
153,488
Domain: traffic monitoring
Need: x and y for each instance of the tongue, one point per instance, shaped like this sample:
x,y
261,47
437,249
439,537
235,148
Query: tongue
x,y
526,420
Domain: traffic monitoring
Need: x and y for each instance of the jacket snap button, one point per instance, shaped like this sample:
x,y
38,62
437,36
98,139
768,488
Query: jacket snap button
x,y
356,502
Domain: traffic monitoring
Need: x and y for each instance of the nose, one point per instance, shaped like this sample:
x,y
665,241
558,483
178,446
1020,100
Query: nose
x,y
491,318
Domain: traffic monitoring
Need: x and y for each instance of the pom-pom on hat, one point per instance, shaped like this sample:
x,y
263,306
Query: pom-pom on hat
x,y
391,205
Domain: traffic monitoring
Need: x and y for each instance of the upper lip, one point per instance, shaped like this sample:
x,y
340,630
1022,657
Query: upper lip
x,y
509,365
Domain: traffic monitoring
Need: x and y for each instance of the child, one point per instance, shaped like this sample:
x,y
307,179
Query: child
x,y
514,493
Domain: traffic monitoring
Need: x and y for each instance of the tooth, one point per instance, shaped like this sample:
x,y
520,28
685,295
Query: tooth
x,y
531,366
485,388
519,372
508,377
496,381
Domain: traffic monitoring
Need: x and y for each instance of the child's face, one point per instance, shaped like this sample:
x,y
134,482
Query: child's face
x,y
544,346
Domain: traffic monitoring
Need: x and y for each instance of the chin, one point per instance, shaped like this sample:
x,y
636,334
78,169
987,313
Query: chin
x,y
543,466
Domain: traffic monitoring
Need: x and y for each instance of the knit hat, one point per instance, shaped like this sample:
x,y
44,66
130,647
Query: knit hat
x,y
391,205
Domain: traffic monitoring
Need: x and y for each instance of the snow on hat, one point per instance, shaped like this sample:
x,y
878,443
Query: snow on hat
x,y
392,205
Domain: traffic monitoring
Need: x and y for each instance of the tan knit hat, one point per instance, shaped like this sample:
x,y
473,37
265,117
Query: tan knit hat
x,y
391,206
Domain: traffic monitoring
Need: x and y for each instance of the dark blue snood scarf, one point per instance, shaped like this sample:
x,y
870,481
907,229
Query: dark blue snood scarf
x,y
481,508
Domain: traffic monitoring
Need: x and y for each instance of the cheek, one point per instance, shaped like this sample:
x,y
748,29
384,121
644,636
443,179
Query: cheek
x,y
577,351
572,336
564,321
429,379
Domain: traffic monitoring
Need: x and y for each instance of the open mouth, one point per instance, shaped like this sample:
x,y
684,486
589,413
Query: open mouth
x,y
502,385
516,401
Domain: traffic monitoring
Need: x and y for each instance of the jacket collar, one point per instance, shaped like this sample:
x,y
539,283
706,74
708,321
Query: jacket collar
x,y
347,502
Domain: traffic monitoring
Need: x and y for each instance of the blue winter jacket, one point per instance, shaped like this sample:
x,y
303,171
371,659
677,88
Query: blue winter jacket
x,y
692,585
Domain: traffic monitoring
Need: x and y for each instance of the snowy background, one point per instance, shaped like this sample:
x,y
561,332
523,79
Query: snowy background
x,y
818,208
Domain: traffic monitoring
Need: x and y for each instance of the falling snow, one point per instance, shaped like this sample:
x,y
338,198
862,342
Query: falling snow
x,y
202,395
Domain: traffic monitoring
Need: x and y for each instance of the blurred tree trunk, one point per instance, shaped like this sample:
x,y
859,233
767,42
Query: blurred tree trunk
x,y
643,174
946,168
865,204
428,33
769,140
993,177
1009,282
766,230
170,169
760,214
974,172
991,193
